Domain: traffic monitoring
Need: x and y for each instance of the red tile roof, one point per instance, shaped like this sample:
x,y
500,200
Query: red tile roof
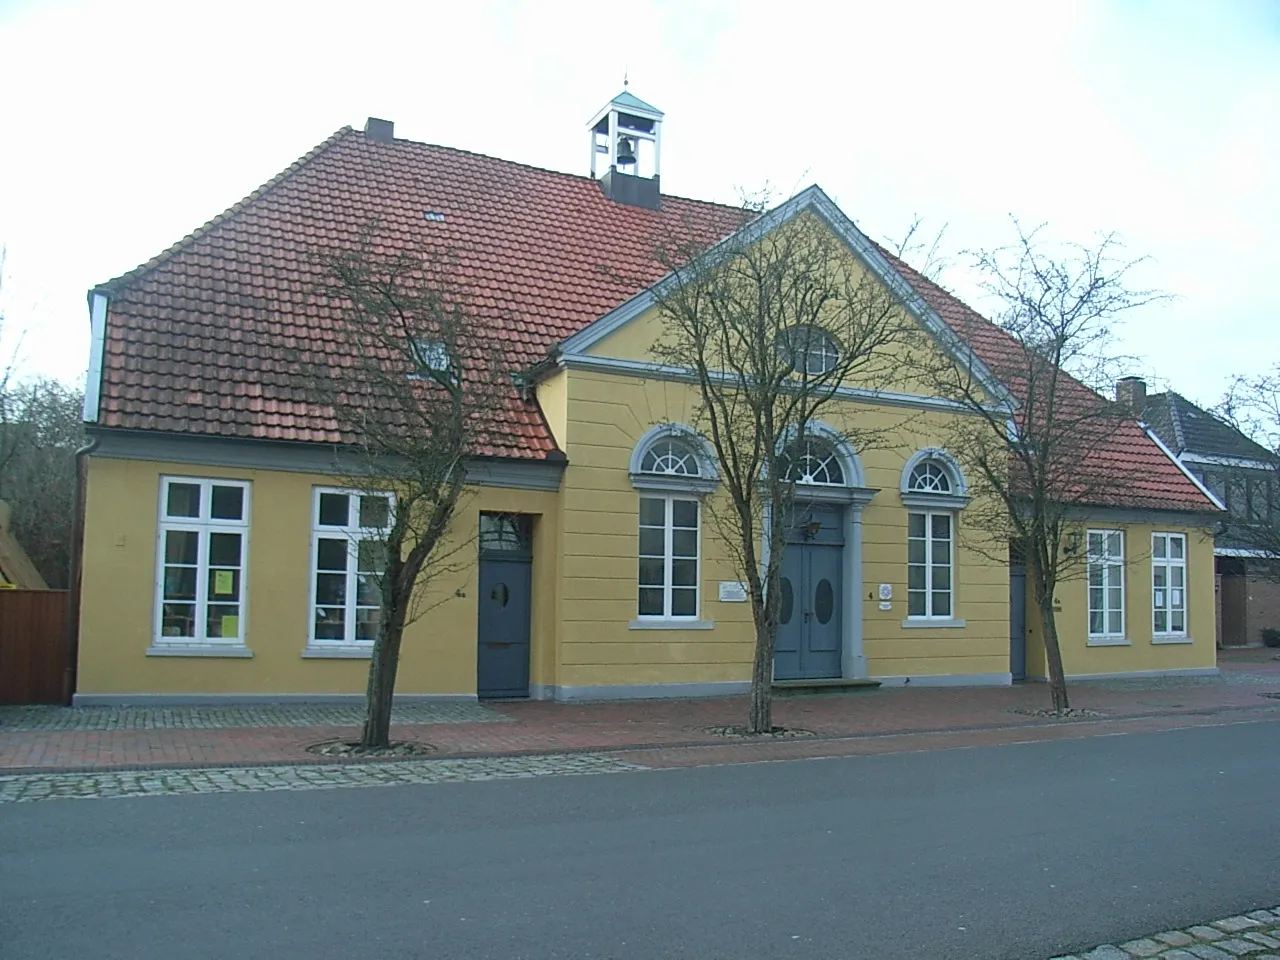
x,y
199,340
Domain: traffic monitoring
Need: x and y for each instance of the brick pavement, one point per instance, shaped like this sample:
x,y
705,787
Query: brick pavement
x,y
1254,935
669,732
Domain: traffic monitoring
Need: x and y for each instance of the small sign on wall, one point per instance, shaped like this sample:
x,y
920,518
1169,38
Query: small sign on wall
x,y
886,591
733,591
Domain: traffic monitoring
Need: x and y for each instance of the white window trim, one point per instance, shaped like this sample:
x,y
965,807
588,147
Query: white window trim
x,y
656,621
1169,636
201,644
348,646
933,619
1106,638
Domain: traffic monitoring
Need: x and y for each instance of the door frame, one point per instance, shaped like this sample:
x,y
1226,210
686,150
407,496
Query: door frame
x,y
519,553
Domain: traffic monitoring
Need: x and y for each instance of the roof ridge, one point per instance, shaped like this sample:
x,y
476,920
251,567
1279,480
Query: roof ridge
x,y
208,226
1175,417
587,178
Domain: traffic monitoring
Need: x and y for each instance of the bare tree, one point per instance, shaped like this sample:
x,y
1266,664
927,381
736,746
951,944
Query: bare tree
x,y
1252,405
770,325
414,388
1041,455
924,252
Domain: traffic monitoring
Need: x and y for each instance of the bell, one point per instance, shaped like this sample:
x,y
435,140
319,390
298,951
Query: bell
x,y
626,151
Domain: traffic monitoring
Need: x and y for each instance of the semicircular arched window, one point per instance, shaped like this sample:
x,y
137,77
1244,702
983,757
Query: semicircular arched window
x,y
814,461
929,477
670,457
809,350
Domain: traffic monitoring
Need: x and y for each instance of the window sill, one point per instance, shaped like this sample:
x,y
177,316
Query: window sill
x,y
233,650
672,624
337,651
930,623
1108,642
1172,638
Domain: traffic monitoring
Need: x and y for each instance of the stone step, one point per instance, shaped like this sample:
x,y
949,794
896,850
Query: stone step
x,y
791,688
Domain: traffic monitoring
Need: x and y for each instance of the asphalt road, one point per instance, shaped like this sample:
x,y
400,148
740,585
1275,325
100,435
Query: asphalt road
x,y
1012,851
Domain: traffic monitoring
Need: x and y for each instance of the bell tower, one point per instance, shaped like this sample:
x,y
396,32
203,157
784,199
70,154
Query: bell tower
x,y
626,150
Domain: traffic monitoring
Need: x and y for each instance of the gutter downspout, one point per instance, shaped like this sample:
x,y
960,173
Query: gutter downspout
x,y
75,574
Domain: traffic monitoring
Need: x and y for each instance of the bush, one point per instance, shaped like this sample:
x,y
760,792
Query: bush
x,y
1271,636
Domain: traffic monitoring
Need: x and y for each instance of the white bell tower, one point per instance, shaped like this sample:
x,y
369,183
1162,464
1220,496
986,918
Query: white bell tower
x,y
626,150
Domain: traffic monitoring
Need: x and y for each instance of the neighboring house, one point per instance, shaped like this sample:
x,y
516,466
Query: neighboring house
x,y
1244,476
17,572
211,516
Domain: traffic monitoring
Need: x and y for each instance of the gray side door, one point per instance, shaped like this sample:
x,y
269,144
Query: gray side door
x,y
810,607
506,587
1018,622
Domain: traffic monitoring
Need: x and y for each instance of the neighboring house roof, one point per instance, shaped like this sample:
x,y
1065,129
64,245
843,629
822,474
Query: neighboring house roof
x,y
1187,428
203,339
16,567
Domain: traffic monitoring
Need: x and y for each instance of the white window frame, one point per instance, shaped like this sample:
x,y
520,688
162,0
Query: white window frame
x,y
1113,565
354,534
1169,563
203,525
929,565
668,587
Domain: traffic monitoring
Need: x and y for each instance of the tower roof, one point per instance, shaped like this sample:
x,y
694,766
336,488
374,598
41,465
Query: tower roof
x,y
628,101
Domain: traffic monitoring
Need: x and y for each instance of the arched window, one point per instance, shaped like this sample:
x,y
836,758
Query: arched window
x,y
672,457
933,489
814,461
809,350
929,477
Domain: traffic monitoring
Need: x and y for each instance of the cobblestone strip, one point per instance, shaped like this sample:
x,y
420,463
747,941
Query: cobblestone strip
x,y
210,717
27,788
1254,936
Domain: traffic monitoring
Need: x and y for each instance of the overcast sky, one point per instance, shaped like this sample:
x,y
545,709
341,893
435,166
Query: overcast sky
x,y
125,125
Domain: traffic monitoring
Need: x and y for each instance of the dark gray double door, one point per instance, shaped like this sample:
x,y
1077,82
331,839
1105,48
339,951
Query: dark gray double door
x,y
810,601
506,587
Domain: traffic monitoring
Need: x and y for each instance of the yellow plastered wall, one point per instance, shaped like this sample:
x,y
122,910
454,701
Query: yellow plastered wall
x,y
117,602
1140,653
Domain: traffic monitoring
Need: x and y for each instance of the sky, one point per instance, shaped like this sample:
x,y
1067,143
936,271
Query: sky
x,y
124,125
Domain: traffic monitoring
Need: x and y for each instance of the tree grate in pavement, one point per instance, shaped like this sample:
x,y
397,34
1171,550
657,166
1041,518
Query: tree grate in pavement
x,y
235,715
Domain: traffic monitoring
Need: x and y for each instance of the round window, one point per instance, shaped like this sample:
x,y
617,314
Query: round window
x,y
824,601
786,601
500,595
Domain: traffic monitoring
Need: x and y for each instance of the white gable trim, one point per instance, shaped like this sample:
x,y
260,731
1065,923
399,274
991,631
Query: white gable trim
x,y
815,201
1183,467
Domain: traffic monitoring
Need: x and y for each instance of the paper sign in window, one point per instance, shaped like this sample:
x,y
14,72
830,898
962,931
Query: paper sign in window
x,y
230,626
223,583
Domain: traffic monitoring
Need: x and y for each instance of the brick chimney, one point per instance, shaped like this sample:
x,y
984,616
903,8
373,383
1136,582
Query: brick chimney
x,y
1131,393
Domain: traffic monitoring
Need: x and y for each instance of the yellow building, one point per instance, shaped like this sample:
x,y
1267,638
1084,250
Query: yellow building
x,y
222,558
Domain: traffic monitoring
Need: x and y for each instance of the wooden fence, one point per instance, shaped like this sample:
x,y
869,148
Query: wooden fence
x,y
33,646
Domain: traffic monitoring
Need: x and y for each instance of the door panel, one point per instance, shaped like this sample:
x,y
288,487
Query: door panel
x,y
786,648
502,668
809,640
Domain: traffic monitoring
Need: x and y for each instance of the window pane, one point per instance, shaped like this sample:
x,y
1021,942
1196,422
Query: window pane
x,y
224,585
942,552
786,600
684,513
915,551
1095,575
1096,620
1159,576
179,583
181,546
942,578
334,510
1095,598
1158,547
941,604
941,526
650,602
1113,598
330,623
915,525
684,602
375,512
184,500
684,573
651,572
653,512
367,622
1177,546
1095,544
1178,622
371,556
223,621
331,588
651,543
915,578
227,503
331,554
178,620
684,543
1114,549
916,603
368,593
1114,623
224,549
1161,624
1175,576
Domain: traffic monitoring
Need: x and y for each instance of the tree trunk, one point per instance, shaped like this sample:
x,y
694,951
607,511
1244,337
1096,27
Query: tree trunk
x,y
382,682
760,712
1053,653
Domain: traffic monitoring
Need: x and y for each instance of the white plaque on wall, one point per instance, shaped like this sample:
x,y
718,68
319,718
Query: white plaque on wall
x,y
732,591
